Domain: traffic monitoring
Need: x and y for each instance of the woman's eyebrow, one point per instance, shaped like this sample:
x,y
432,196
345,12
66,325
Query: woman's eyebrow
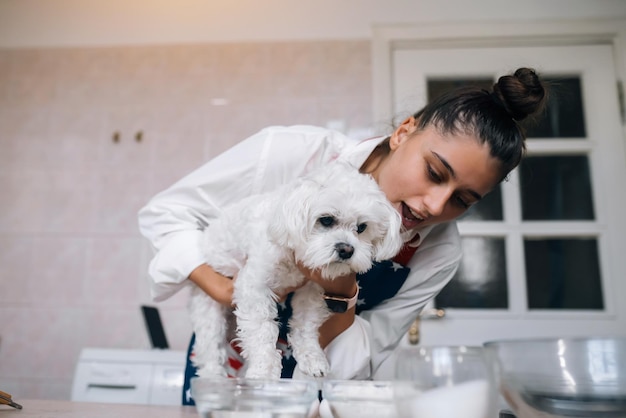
x,y
445,164
453,174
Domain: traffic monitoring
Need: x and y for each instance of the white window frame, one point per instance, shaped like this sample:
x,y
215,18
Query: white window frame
x,y
389,38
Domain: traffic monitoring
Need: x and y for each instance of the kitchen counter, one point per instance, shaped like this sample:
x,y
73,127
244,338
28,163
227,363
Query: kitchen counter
x,y
68,409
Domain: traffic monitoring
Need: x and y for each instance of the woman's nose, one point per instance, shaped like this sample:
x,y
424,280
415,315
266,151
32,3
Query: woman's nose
x,y
437,200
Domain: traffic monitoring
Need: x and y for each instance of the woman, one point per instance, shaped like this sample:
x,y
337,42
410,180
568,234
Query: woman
x,y
432,168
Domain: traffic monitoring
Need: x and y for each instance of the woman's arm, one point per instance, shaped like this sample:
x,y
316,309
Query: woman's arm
x,y
217,286
345,286
174,220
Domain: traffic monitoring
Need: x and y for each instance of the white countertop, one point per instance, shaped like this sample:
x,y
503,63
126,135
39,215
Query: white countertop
x,y
33,408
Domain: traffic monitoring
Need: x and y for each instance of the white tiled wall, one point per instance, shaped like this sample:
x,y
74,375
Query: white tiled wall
x,y
72,263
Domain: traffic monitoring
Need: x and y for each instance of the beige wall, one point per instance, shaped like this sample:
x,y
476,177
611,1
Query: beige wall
x,y
72,263
25,23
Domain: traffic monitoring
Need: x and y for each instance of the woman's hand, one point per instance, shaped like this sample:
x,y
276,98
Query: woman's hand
x,y
217,286
343,286
220,287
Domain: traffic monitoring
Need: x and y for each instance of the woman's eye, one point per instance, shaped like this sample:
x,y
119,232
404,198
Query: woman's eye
x,y
361,227
433,175
327,221
461,202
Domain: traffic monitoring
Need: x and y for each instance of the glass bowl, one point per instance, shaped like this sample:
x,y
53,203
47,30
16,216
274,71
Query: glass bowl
x,y
223,397
561,377
444,382
359,398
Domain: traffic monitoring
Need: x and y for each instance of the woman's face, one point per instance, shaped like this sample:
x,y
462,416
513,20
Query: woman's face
x,y
432,178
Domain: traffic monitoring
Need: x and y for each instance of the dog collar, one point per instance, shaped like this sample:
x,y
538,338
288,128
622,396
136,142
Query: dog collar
x,y
340,304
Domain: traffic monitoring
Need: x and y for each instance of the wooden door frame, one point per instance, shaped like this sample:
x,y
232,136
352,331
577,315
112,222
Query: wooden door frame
x,y
388,38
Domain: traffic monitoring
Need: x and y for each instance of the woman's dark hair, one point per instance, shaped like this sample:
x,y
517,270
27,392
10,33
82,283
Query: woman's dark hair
x,y
493,117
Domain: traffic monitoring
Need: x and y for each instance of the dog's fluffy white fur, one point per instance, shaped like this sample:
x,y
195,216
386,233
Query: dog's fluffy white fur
x,y
333,219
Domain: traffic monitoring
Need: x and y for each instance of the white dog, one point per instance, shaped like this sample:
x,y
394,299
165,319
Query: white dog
x,y
334,219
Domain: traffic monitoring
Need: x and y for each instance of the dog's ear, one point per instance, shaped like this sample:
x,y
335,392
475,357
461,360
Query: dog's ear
x,y
291,223
390,243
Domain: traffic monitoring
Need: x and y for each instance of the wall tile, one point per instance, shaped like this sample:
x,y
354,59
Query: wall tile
x,y
120,195
182,61
76,138
241,58
112,271
16,269
297,57
41,343
36,388
32,78
127,121
68,199
24,211
5,68
85,80
345,58
72,260
303,85
179,142
117,328
23,122
59,272
355,111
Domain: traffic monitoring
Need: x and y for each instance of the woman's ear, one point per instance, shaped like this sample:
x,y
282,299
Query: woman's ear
x,y
402,132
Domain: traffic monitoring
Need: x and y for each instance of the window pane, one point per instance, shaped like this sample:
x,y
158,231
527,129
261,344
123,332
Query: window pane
x,y
564,116
556,188
481,280
488,209
563,274
438,86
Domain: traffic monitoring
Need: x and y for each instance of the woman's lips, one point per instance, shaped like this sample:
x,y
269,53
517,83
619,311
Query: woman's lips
x,y
409,220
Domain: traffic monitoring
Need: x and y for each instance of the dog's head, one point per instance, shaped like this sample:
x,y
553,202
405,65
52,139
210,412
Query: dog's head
x,y
337,220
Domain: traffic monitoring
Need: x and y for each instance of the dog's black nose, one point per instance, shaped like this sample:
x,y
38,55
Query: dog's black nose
x,y
344,250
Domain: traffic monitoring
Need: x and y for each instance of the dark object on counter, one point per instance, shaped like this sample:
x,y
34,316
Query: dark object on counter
x,y
155,327
5,399
506,414
579,405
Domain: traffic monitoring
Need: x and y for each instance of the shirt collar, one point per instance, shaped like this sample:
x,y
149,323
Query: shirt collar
x,y
357,154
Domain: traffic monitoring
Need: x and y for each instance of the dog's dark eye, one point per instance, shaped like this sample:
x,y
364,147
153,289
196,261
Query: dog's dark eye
x,y
327,221
361,227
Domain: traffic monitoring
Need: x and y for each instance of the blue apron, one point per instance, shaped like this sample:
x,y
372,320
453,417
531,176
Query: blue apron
x,y
380,283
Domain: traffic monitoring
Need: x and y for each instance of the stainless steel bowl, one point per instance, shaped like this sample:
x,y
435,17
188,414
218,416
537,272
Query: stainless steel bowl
x,y
561,377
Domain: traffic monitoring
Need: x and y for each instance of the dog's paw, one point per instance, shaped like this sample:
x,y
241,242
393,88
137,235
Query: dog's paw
x,y
314,364
265,368
263,373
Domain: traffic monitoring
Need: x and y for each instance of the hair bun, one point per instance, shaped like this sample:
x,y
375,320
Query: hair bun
x,y
521,94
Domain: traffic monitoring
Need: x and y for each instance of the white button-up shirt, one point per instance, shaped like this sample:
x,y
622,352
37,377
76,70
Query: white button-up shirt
x,y
174,219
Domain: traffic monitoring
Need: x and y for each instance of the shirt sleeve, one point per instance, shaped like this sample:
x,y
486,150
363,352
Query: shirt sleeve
x,y
173,221
359,351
